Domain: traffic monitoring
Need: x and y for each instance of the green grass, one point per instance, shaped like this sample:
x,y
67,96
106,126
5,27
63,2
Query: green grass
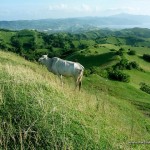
x,y
6,36
101,56
37,113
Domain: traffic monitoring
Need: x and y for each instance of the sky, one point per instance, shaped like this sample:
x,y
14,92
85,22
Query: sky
x,y
43,9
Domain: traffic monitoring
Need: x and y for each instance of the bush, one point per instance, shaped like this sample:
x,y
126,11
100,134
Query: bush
x,y
121,49
112,50
87,72
133,65
121,65
118,76
124,64
109,73
120,53
146,57
132,52
96,70
144,87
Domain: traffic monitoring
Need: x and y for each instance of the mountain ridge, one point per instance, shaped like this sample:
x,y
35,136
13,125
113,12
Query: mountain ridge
x,y
79,23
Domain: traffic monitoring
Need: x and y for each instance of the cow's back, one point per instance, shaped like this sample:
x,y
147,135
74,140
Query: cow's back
x,y
66,68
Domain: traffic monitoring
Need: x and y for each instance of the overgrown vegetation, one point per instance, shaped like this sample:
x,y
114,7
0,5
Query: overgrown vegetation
x,y
132,52
144,87
118,76
146,57
125,64
115,71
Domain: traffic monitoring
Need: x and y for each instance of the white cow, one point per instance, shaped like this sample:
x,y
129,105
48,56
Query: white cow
x,y
62,67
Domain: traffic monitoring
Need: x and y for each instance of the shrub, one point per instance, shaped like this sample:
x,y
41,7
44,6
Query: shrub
x,y
96,45
144,87
112,50
121,49
121,65
124,64
118,76
87,72
133,65
96,70
120,53
146,57
132,52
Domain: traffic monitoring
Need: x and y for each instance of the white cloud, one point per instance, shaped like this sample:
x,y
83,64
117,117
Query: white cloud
x,y
65,7
115,10
87,8
59,7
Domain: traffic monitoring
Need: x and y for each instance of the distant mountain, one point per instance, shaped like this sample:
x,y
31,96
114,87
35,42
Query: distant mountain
x,y
80,24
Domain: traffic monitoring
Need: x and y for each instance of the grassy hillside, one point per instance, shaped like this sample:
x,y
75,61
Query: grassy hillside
x,y
103,57
36,113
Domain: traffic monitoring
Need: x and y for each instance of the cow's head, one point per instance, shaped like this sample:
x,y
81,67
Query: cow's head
x,y
43,58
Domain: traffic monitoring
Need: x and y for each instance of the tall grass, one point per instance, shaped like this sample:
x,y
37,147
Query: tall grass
x,y
37,113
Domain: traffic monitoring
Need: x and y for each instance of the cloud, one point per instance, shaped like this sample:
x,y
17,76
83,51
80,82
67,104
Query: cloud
x,y
58,7
71,8
131,10
87,8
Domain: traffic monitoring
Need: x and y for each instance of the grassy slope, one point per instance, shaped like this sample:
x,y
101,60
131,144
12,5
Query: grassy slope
x,y
105,57
36,113
125,91
6,36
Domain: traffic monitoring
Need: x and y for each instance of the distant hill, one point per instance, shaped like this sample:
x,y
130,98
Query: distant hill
x,y
32,44
79,24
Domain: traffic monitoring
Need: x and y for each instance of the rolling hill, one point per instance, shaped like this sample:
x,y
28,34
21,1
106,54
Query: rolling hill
x,y
77,25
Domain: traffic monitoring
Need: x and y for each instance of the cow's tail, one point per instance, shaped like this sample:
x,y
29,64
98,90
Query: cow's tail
x,y
79,80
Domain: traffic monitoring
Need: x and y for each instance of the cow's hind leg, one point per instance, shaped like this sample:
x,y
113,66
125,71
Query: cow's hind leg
x,y
78,82
61,79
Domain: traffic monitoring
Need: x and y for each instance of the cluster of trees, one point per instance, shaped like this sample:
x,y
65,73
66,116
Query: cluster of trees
x,y
109,73
124,64
118,76
32,44
115,72
122,51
